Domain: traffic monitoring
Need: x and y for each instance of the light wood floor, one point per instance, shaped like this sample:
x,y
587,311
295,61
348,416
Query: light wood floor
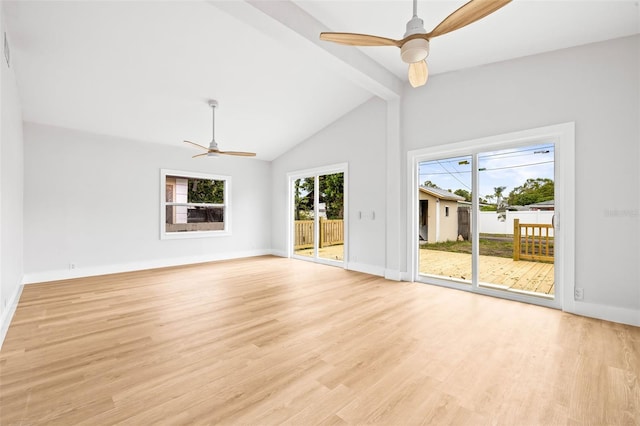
x,y
276,341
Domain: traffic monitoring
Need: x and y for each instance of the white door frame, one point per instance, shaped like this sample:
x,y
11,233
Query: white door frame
x,y
315,173
563,137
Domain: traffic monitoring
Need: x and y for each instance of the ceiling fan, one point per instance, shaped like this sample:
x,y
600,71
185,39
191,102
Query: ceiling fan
x,y
212,150
414,46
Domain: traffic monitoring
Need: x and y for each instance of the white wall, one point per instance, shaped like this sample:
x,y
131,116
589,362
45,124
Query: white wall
x,y
597,87
95,201
358,138
74,181
11,191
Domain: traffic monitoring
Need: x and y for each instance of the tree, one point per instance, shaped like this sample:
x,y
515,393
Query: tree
x,y
463,193
497,192
531,192
429,184
205,191
303,195
332,194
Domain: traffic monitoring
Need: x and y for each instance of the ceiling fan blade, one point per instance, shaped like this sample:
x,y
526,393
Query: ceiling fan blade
x,y
467,14
418,73
238,153
198,145
200,155
353,39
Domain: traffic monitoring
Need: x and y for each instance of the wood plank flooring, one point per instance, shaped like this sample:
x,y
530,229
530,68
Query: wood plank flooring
x,y
267,341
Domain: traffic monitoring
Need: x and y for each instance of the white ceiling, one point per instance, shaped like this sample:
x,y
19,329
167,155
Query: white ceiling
x,y
144,70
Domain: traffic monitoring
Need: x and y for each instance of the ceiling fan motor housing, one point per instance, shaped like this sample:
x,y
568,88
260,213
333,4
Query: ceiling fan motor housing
x,y
417,49
414,50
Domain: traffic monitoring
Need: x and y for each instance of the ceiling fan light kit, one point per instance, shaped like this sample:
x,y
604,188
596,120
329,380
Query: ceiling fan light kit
x,y
418,74
414,46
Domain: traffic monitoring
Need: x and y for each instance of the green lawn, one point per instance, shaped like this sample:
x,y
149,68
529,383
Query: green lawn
x,y
490,245
498,248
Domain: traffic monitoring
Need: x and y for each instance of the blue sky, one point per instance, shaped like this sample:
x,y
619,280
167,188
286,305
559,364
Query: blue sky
x,y
508,167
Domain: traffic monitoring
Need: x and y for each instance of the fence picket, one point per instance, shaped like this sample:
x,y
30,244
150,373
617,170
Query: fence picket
x,y
331,233
538,249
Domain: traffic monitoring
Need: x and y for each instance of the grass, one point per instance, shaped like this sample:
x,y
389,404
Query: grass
x,y
490,245
496,248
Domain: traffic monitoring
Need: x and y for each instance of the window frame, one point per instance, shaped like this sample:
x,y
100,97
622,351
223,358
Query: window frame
x,y
164,235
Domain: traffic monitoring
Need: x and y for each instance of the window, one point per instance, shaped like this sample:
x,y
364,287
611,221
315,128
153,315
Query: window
x,y
194,204
446,211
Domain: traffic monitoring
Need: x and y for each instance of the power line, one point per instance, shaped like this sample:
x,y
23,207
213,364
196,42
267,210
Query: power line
x,y
452,175
521,165
518,153
483,169
510,154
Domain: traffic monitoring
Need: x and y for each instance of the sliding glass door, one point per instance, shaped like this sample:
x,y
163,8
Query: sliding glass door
x,y
485,220
318,205
444,200
331,217
515,220
304,212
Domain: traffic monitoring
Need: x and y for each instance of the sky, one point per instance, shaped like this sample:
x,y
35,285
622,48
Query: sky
x,y
508,167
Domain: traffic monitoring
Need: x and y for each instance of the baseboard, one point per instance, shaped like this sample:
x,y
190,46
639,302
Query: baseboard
x,y
7,315
604,312
607,313
56,275
366,268
393,274
406,276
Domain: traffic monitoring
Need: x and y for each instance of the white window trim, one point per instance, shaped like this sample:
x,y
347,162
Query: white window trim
x,y
194,234
563,137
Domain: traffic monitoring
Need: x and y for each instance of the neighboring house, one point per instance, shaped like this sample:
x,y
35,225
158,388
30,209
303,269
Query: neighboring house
x,y
176,192
543,205
438,215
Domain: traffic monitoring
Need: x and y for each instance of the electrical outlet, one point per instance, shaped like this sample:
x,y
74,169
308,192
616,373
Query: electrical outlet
x,y
578,293
72,266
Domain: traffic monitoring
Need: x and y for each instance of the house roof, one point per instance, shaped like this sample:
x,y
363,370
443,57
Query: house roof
x,y
548,203
442,194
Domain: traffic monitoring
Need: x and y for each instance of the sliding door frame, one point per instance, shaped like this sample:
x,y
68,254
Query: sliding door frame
x,y
563,138
315,173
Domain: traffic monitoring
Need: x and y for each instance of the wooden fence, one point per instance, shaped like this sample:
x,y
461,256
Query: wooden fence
x,y
331,233
535,243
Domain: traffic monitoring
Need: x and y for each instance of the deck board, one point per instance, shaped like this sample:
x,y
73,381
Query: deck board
x,y
518,275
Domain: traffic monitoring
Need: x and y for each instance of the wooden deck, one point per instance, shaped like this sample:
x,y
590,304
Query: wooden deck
x,y
335,252
536,277
499,272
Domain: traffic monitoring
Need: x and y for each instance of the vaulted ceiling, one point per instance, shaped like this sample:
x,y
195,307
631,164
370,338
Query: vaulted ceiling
x,y
145,70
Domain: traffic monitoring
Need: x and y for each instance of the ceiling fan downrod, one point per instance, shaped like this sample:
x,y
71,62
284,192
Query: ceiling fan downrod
x,y
213,104
417,49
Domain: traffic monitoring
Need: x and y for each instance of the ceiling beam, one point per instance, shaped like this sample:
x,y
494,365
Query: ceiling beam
x,y
279,19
